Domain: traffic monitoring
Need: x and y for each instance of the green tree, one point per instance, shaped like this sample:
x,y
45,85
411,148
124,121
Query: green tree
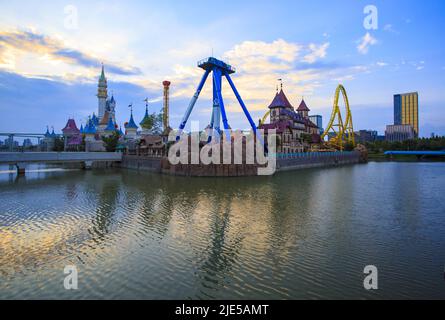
x,y
59,144
153,122
111,141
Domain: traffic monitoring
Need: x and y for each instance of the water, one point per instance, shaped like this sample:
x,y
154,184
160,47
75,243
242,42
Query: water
x,y
297,235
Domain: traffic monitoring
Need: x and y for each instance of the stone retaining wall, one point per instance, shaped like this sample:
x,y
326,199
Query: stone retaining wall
x,y
284,163
141,163
317,159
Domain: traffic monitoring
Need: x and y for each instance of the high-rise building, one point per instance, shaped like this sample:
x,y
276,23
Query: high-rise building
x,y
406,110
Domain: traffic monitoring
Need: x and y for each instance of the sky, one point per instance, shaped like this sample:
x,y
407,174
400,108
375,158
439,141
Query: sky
x,y
51,54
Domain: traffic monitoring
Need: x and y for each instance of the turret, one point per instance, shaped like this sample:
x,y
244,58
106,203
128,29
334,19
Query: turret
x,y
303,110
131,128
102,93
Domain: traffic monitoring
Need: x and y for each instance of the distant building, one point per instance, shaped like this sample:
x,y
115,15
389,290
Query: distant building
x,y
318,120
27,143
406,110
380,138
10,141
400,132
364,136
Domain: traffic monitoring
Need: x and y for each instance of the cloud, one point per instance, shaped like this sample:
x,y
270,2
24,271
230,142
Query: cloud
x,y
381,64
46,47
317,52
365,42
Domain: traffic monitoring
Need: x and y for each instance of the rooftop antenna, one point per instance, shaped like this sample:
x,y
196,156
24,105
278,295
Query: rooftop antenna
x,y
146,102
281,83
131,107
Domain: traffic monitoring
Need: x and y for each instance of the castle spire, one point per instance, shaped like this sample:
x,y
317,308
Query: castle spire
x,y
102,93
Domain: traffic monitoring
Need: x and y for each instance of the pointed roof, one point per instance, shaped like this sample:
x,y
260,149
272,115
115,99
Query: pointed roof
x,y
110,125
112,99
131,124
53,134
71,127
95,119
105,118
81,128
146,116
280,101
47,134
90,128
303,106
102,75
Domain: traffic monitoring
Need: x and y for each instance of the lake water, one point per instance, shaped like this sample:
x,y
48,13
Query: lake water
x,y
297,235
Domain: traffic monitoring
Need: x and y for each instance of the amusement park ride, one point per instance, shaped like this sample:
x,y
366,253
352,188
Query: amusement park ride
x,y
219,69
343,130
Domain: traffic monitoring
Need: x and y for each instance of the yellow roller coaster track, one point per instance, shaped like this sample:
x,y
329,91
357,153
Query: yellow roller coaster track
x,y
263,121
344,131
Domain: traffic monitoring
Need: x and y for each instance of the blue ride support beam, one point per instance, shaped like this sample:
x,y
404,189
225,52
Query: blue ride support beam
x,y
217,78
243,106
241,102
216,116
192,104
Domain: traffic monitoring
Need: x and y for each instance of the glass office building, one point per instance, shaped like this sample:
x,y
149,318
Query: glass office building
x,y
406,110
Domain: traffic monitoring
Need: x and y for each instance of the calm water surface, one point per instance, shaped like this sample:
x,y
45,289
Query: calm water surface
x,y
303,234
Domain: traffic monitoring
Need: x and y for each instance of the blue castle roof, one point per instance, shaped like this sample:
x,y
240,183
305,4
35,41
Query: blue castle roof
x,y
131,124
81,128
90,128
110,125
47,134
95,119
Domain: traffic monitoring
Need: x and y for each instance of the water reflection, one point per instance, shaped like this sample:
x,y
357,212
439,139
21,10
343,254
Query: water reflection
x,y
261,237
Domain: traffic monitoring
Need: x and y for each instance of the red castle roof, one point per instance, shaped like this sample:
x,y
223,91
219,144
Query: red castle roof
x,y
71,127
303,106
280,100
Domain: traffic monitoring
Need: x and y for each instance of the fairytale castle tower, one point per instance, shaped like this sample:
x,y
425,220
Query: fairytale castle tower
x,y
102,94
107,107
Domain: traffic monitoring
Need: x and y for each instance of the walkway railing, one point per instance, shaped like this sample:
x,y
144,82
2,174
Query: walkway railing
x,y
312,154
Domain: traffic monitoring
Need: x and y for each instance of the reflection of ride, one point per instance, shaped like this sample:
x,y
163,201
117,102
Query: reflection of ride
x,y
342,132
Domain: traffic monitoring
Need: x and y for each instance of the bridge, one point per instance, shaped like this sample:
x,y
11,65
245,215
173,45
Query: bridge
x,y
419,154
11,136
20,159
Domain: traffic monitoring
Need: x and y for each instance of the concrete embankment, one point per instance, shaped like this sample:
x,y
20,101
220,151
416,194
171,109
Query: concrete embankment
x,y
284,163
317,160
141,163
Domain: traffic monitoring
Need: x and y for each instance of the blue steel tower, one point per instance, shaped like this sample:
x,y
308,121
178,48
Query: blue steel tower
x,y
219,69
